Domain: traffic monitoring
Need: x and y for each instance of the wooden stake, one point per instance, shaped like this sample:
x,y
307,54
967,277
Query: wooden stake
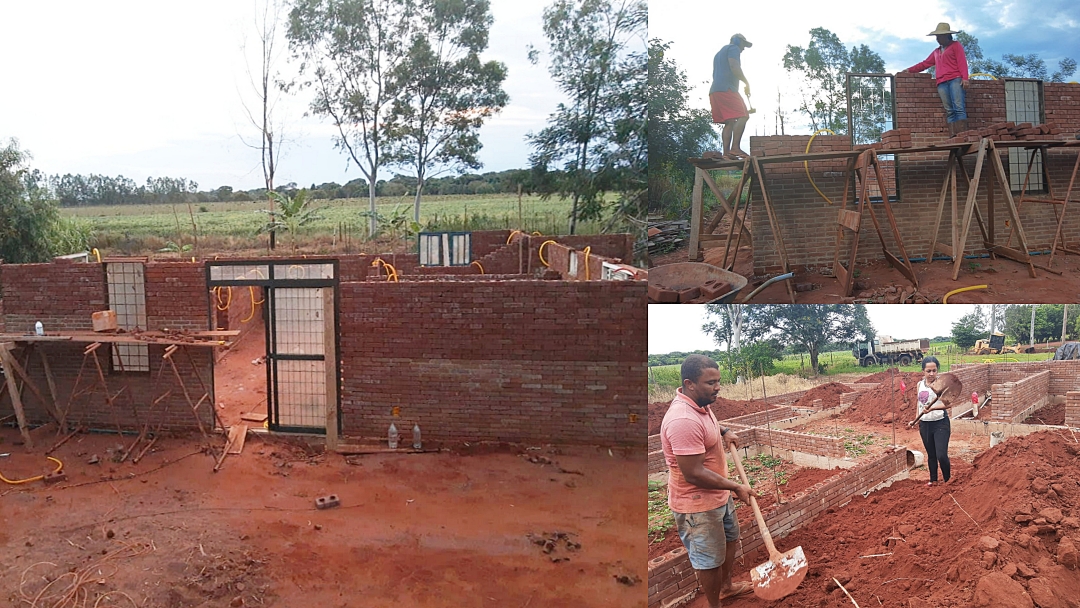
x,y
16,401
846,592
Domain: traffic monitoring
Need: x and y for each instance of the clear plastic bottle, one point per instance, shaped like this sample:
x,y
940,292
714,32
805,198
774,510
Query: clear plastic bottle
x,y
39,329
392,436
416,436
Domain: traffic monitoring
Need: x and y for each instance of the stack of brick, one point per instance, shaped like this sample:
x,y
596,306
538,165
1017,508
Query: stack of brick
x,y
1009,131
896,138
1072,408
707,292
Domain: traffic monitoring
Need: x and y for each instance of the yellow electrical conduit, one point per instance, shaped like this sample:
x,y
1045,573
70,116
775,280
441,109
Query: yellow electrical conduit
x,y
391,272
586,252
15,482
511,237
97,254
251,291
218,301
945,300
540,252
479,265
806,164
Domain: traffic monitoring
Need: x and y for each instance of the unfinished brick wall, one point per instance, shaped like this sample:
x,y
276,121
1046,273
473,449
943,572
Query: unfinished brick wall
x,y
63,295
832,447
1064,375
544,361
672,577
763,418
974,376
1072,408
808,223
1013,401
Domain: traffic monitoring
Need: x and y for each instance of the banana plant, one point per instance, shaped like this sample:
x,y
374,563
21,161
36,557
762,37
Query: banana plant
x,y
290,214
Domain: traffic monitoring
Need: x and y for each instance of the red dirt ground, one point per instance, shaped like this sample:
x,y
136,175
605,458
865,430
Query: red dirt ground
x,y
828,393
878,377
723,408
239,384
421,530
1051,414
798,480
1008,281
1003,532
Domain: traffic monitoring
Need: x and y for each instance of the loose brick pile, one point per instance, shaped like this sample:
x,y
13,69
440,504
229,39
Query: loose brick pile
x,y
1009,131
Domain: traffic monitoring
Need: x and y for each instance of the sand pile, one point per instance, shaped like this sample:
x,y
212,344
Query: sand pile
x,y
1016,544
878,404
828,393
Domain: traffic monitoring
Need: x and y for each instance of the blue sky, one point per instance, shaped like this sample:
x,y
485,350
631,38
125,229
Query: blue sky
x,y
896,31
677,328
155,89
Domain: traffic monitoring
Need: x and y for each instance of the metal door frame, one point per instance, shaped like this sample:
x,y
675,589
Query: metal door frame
x,y
269,283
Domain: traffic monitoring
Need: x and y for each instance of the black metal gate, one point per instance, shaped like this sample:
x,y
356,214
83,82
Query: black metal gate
x,y
301,328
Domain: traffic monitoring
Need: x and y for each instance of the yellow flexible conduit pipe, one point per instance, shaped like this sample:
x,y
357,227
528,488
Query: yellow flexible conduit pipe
x,y
945,300
535,233
227,301
540,252
479,265
251,292
511,237
15,482
391,272
586,252
97,254
806,164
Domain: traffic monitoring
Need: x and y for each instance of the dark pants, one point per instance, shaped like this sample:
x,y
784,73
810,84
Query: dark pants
x,y
935,438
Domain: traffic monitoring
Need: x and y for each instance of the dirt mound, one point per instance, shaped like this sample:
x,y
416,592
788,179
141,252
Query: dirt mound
x,y
723,408
877,405
1003,532
828,393
1051,414
882,376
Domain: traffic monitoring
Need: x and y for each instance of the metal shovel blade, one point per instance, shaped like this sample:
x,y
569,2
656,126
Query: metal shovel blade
x,y
780,575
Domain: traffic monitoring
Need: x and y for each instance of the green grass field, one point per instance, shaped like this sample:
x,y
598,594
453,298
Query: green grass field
x,y
242,219
841,362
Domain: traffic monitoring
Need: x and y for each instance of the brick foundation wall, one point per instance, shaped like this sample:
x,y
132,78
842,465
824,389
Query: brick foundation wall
x,y
1072,408
657,463
672,577
808,223
1064,375
1013,400
974,376
832,447
763,418
544,361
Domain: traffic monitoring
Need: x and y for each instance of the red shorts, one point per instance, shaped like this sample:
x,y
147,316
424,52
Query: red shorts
x,y
727,105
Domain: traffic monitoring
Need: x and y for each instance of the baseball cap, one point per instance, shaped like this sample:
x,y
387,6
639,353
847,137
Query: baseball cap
x,y
739,38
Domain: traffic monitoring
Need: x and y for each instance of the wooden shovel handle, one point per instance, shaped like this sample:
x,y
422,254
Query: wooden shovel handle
x,y
774,555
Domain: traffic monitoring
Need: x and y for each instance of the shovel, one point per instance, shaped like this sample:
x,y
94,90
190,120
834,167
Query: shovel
x,y
783,572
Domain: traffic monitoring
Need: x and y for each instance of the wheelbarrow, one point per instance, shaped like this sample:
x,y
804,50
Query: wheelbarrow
x,y
685,275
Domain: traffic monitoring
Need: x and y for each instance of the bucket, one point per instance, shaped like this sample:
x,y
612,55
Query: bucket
x,y
996,437
915,458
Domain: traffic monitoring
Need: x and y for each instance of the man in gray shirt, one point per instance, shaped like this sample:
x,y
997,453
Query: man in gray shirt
x,y
727,107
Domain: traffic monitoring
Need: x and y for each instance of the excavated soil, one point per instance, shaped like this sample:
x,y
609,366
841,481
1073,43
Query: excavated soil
x,y
828,393
882,376
798,479
1051,414
877,405
723,408
1003,532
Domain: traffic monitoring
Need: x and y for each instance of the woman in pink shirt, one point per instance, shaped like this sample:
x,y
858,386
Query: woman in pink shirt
x,y
951,73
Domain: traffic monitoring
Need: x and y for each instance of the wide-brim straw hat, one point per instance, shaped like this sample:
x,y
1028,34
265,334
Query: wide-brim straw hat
x,y
942,28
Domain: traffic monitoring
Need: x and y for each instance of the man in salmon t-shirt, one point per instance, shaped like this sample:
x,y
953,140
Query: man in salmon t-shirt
x,y
699,492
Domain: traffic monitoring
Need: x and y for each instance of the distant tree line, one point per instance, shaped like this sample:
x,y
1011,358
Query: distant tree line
x,y
89,190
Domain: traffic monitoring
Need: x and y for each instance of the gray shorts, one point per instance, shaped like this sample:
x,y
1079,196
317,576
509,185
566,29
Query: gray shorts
x,y
706,535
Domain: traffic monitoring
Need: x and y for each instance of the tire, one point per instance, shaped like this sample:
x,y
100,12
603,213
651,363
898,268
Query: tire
x,y
868,361
905,360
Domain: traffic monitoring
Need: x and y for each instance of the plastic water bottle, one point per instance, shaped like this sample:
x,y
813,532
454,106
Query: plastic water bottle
x,y
416,436
39,329
392,436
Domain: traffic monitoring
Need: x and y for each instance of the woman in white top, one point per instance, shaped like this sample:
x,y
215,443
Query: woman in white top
x,y
934,425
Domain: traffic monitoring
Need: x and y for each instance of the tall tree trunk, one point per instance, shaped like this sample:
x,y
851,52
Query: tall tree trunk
x,y
1064,321
373,225
813,359
419,190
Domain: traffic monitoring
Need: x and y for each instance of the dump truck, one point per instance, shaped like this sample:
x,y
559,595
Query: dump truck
x,y
883,351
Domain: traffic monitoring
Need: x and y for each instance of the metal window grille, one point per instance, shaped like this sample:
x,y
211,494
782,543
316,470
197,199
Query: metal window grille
x,y
127,297
445,248
871,110
1023,103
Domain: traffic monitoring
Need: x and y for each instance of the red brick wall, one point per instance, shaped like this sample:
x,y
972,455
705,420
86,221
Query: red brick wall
x,y
483,242
763,418
671,576
1064,375
1072,408
1012,398
832,447
809,224
506,361
62,295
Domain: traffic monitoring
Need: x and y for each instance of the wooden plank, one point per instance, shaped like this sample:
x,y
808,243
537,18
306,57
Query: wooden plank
x,y
16,401
696,211
950,174
727,205
943,249
969,208
237,434
849,219
50,406
330,364
1011,205
51,381
254,417
774,224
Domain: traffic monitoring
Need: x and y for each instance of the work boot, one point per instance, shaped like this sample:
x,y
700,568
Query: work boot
x,y
952,129
961,126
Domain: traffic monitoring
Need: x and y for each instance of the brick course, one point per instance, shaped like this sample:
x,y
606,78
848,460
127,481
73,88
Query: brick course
x,y
1072,408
